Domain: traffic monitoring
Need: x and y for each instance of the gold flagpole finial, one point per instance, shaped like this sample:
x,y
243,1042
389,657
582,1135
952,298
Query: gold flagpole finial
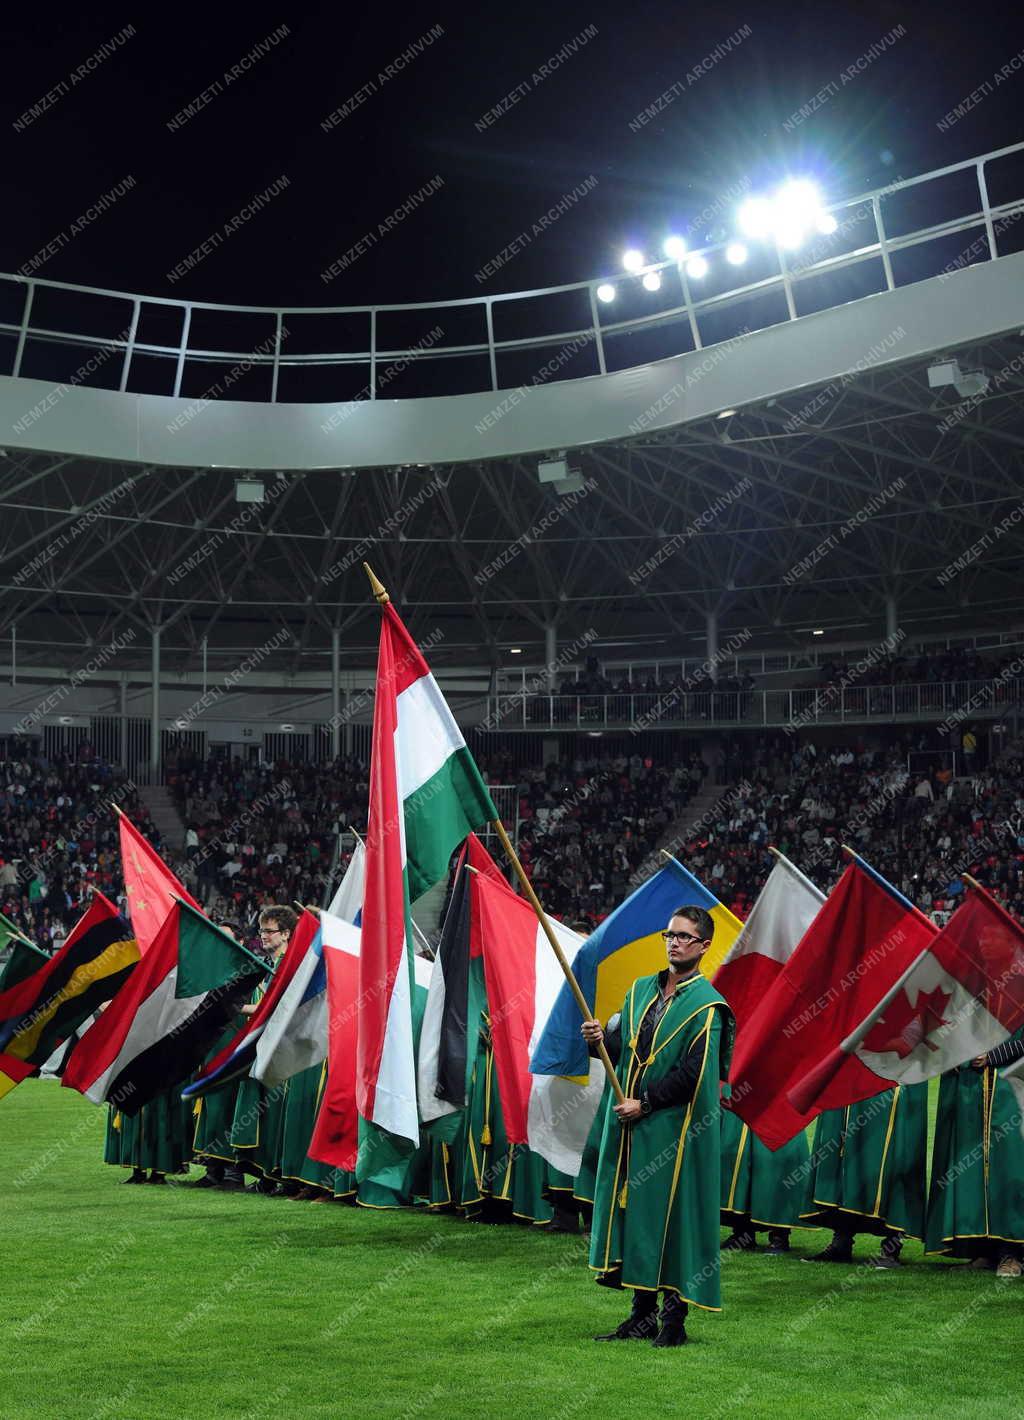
x,y
375,586
972,882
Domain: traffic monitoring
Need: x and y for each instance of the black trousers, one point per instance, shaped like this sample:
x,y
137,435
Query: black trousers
x,y
673,1309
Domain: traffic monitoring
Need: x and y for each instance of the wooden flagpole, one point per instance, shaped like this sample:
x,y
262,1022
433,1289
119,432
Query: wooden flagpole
x,y
381,594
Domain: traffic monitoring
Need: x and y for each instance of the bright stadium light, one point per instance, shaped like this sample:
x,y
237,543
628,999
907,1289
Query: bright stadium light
x,y
633,260
606,291
652,281
827,224
674,248
696,267
736,253
755,217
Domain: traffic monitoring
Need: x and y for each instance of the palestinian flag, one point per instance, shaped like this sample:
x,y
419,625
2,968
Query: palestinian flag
x,y
24,959
169,1016
47,1007
426,795
457,994
238,1057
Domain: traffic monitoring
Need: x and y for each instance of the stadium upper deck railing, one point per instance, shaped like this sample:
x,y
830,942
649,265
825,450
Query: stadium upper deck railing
x,y
273,354
955,702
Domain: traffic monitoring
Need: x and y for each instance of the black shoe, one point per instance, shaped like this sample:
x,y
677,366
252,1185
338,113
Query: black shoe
x,y
739,1242
634,1328
265,1186
671,1334
156,1178
831,1254
207,1181
139,1176
778,1242
557,1225
231,1185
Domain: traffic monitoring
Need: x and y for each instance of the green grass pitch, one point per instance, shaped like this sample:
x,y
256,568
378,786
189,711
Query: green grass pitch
x,y
163,1303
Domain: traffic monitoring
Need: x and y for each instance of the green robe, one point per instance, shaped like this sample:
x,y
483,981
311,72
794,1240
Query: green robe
x,y
488,1156
585,1183
869,1165
302,1096
977,1186
657,1195
762,1189
258,1117
213,1113
118,1142
158,1137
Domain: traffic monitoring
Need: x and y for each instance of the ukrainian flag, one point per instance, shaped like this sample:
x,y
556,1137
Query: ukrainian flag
x,y
628,944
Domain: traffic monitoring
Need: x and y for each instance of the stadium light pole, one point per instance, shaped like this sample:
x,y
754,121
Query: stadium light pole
x,y
712,646
154,706
550,653
335,692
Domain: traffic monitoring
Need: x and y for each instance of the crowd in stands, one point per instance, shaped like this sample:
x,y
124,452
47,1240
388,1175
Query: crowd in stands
x,y
59,837
258,833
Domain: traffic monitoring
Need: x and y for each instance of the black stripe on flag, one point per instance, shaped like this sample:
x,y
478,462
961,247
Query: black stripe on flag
x,y
453,952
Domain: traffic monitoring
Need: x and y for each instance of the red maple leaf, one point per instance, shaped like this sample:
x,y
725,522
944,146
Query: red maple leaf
x,y
903,1027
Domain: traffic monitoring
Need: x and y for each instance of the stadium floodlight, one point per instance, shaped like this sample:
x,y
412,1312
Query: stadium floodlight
x,y
725,414
606,291
652,281
286,729
827,224
755,217
736,253
818,631
633,260
674,248
515,650
696,267
249,490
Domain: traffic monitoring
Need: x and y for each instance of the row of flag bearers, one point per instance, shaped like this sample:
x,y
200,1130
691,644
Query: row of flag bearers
x,y
357,1067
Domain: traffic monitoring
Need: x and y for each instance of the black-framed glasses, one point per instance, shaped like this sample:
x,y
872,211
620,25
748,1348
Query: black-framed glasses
x,y
683,937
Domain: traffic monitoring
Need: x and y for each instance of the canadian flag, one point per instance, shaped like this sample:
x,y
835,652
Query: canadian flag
x,y
961,997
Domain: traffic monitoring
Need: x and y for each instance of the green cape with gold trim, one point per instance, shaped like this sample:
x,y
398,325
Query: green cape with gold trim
x,y
658,1184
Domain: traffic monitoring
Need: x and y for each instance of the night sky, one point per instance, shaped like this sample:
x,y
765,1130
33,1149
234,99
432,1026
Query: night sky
x,y
423,130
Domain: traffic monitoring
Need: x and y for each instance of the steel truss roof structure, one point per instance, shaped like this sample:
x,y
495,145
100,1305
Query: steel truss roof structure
x,y
806,513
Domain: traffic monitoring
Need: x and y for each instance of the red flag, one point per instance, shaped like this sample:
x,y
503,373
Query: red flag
x,y
335,1138
962,997
860,943
150,885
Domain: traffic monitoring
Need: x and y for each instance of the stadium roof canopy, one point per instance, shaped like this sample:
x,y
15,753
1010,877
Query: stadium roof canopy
x,y
837,441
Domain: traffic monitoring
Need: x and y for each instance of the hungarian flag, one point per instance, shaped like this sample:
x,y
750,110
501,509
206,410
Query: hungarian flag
x,y
347,902
628,944
239,1055
961,997
172,1011
550,1113
150,886
47,1007
785,908
426,795
860,943
456,994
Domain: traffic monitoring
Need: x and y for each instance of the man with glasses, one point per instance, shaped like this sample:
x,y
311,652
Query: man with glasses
x,y
656,1196
259,1112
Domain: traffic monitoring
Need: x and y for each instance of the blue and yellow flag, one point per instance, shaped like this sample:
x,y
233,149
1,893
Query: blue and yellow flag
x,y
628,944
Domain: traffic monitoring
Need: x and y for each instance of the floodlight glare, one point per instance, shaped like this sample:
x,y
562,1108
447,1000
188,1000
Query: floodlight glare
x,y
735,253
827,224
696,267
755,217
674,248
633,260
798,200
789,235
606,291
652,281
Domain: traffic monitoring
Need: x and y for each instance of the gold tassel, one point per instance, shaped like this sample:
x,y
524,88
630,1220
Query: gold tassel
x,y
623,1192
116,1122
485,1135
197,1108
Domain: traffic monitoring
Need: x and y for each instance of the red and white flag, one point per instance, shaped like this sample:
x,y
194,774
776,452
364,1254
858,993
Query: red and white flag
x,y
785,908
960,998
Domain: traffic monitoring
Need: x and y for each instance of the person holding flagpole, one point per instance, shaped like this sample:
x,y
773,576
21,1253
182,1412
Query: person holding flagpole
x,y
656,1198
